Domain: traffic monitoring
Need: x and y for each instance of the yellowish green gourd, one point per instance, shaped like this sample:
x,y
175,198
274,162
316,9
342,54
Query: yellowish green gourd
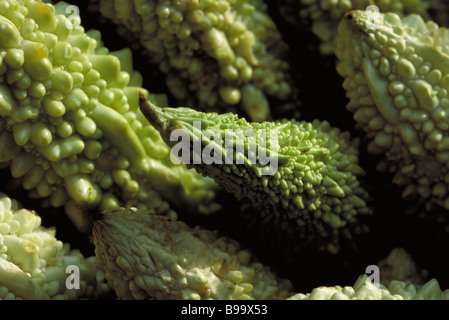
x,y
399,279
438,10
35,265
323,16
365,289
70,128
148,256
74,132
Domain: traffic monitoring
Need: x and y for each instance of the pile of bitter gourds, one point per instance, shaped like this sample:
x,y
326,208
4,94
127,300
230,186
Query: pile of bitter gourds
x,y
261,205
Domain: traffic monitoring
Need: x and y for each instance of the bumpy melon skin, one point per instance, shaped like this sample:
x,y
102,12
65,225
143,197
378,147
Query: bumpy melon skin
x,y
70,128
35,265
397,82
365,289
222,56
323,16
148,256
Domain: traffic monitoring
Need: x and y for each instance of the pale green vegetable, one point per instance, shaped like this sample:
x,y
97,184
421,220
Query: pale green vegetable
x,y
70,127
365,289
301,176
400,266
323,16
148,256
218,55
34,264
397,82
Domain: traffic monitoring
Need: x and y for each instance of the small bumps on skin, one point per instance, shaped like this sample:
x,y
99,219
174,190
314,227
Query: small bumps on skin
x,y
33,262
438,10
69,122
325,15
399,265
314,192
149,256
365,289
397,81
226,54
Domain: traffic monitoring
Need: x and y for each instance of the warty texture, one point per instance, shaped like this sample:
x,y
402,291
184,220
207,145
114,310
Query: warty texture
x,y
323,16
301,176
400,266
33,262
397,81
438,10
227,55
149,256
365,289
70,127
